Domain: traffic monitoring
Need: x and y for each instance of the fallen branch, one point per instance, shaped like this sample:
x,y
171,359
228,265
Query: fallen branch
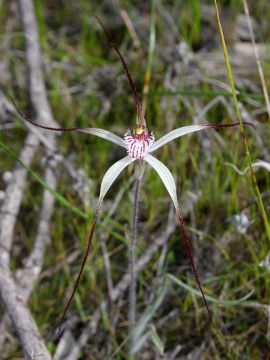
x,y
13,198
11,296
26,329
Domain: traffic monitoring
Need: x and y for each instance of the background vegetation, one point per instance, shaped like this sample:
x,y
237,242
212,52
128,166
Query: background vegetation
x,y
189,84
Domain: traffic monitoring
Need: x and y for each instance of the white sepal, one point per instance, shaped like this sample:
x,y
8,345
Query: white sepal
x,y
165,175
104,134
112,174
176,133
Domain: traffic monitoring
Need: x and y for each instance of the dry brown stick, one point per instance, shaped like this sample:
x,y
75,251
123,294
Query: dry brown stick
x,y
27,277
33,264
35,66
11,204
15,190
91,328
43,111
13,197
8,216
27,331
10,208
21,318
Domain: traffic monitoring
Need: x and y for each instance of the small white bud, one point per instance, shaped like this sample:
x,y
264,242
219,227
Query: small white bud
x,y
7,176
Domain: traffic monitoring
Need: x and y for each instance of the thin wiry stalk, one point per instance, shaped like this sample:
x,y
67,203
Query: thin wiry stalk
x,y
253,176
132,257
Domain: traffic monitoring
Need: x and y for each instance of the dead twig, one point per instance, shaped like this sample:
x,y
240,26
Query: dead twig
x,y
34,262
13,197
22,320
23,323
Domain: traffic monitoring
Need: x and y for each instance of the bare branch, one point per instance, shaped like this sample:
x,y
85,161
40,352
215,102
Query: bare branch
x,y
21,318
33,54
34,262
12,298
13,197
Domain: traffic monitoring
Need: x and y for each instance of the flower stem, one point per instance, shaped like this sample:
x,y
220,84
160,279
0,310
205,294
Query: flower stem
x,y
132,257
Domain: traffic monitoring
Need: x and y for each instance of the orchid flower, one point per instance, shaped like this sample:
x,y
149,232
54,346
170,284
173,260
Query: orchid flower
x,y
139,145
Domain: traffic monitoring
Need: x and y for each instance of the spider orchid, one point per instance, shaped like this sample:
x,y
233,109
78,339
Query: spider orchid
x,y
139,145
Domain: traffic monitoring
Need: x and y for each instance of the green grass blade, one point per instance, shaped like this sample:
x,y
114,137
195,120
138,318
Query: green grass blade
x,y
208,298
156,339
140,333
203,93
57,196
253,176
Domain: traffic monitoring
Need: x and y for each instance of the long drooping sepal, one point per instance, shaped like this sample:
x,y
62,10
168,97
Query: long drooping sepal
x,y
131,82
168,181
110,176
104,134
189,252
165,175
184,130
89,244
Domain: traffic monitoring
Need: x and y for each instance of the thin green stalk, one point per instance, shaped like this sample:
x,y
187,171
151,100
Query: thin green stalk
x,y
132,257
132,252
253,176
204,93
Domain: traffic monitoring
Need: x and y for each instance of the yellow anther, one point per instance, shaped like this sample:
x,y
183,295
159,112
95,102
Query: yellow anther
x,y
139,131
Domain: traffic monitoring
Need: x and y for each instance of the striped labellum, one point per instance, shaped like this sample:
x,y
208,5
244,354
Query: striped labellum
x,y
139,143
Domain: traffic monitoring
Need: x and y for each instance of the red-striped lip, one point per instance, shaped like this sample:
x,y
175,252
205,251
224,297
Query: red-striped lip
x,y
139,143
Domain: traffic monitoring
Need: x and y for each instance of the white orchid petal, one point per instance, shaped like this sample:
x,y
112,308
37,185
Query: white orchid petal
x,y
176,133
165,175
104,134
112,174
